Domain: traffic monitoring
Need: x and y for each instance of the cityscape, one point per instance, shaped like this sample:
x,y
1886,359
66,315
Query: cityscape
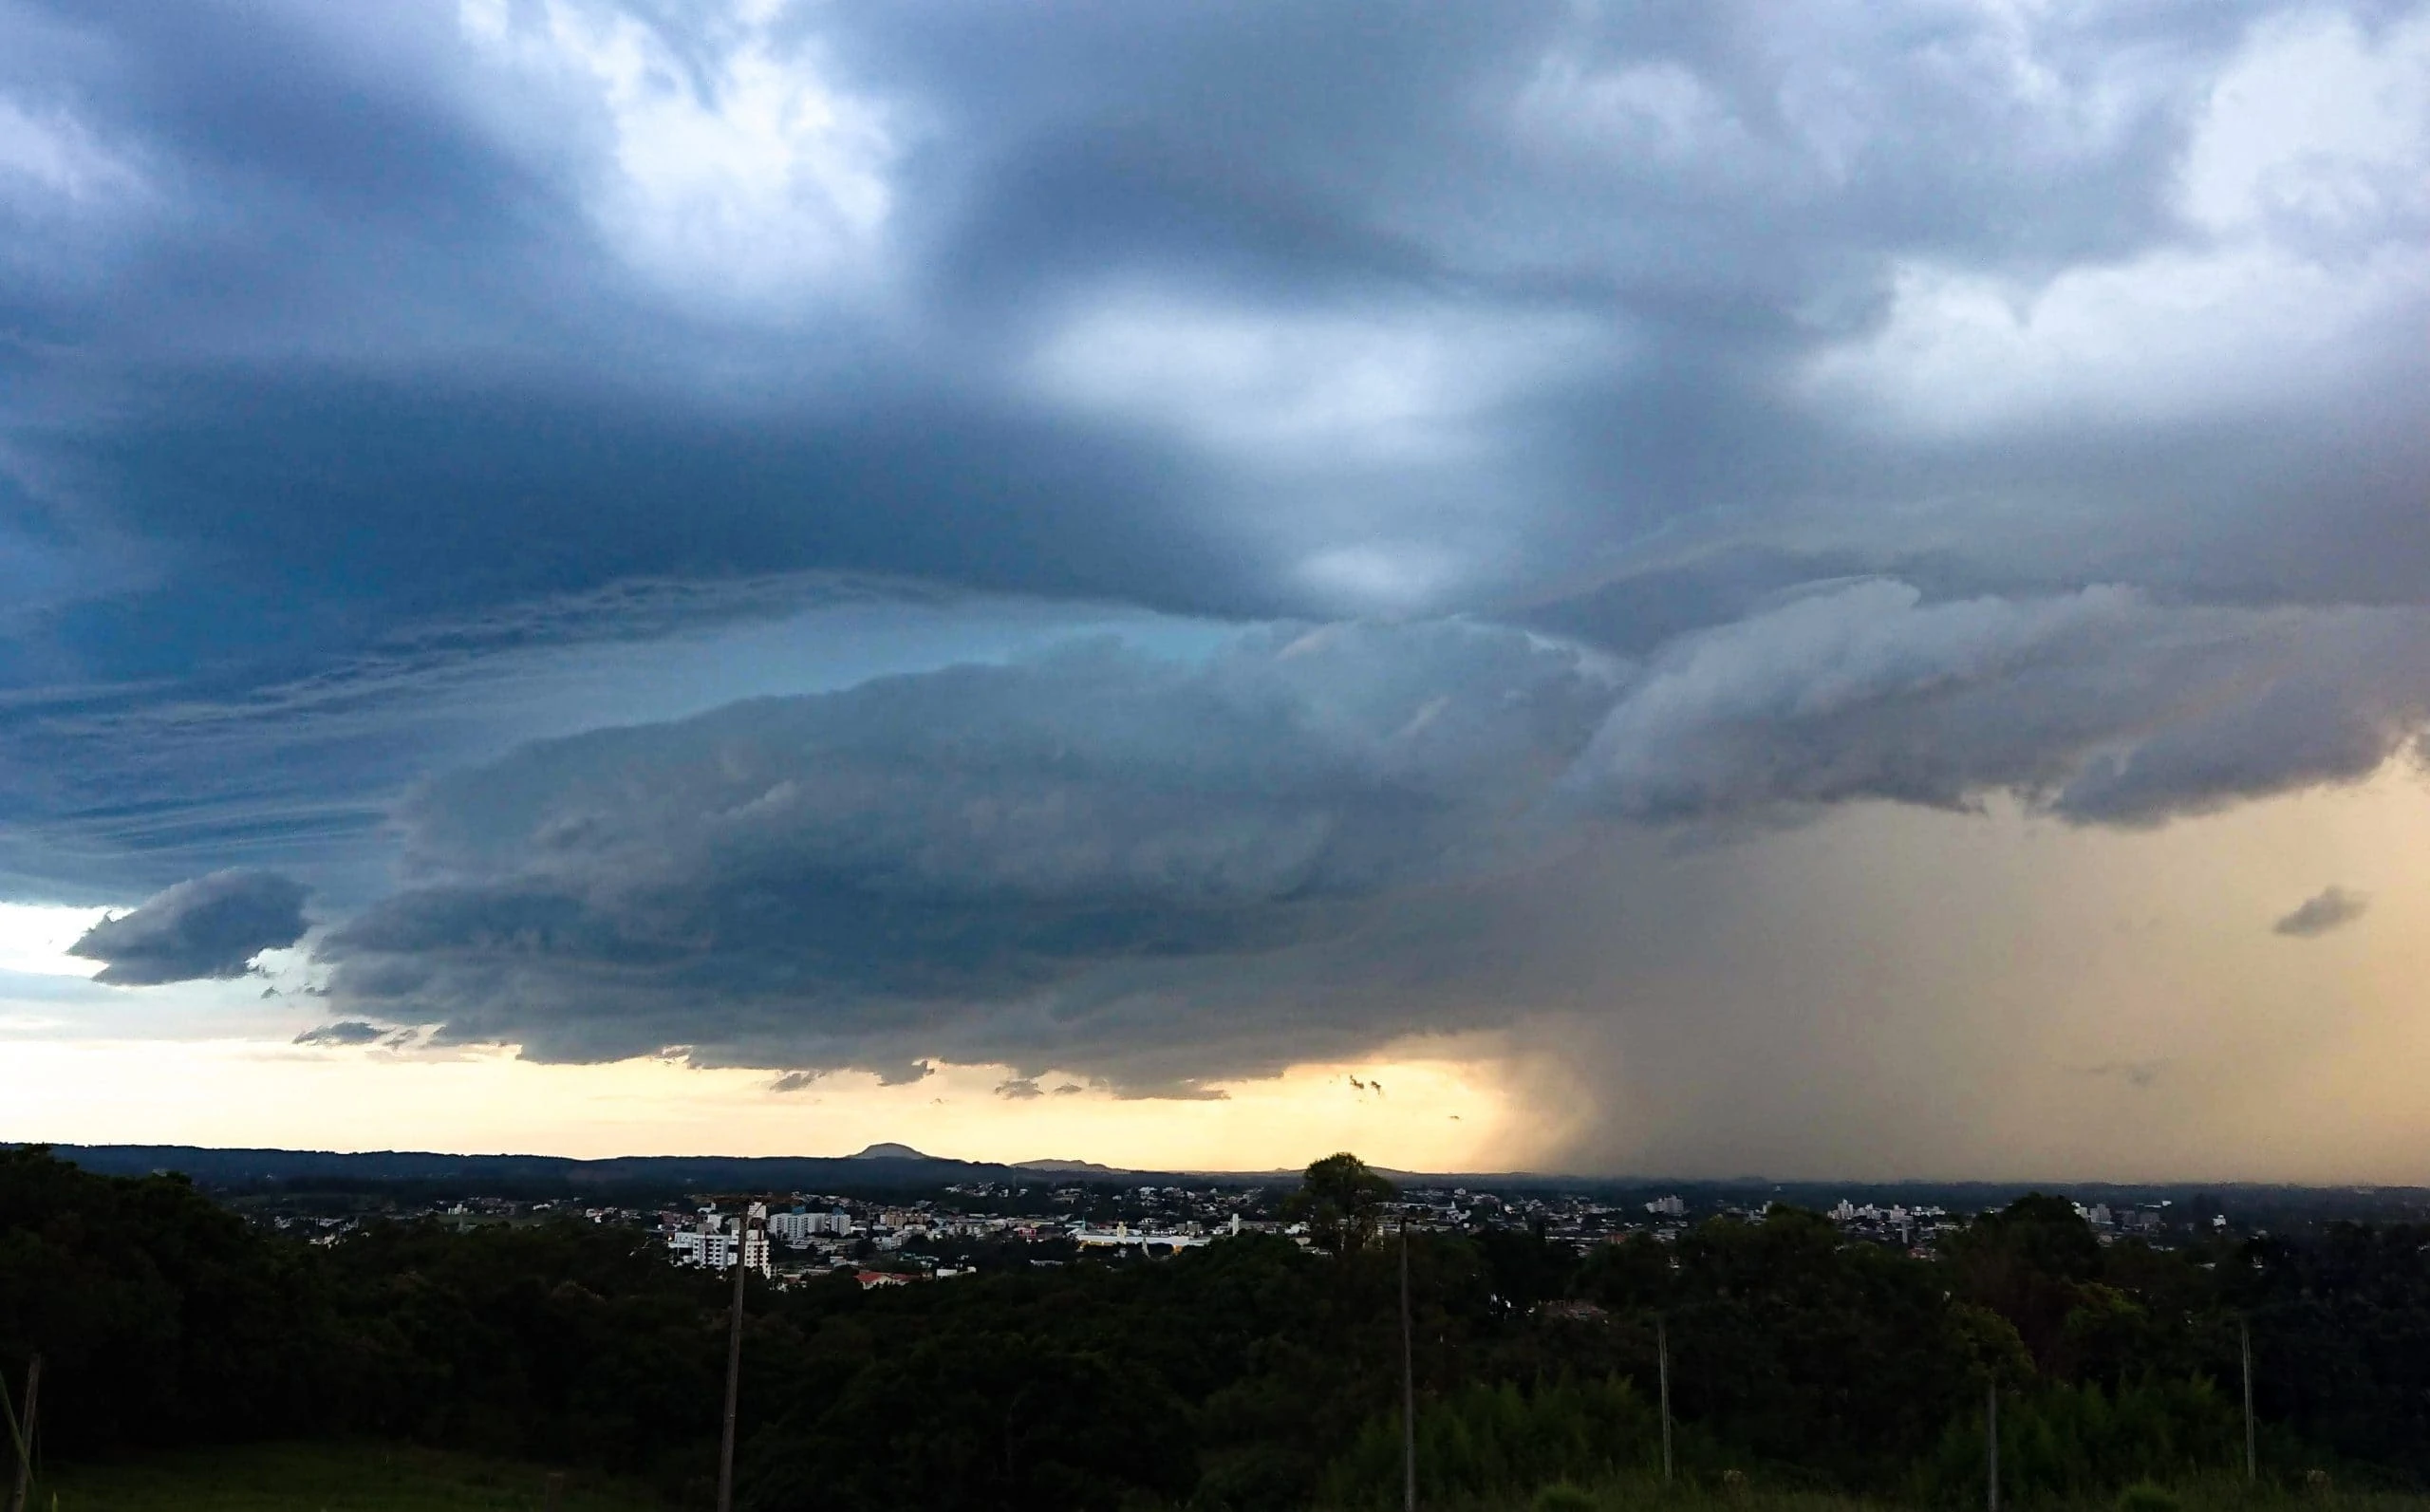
x,y
898,1237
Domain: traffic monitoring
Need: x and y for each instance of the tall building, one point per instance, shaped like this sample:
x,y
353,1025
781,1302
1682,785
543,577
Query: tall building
x,y
714,1244
798,1226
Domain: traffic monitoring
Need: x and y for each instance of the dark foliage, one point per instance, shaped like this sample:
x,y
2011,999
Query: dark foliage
x,y
1248,1373
160,1317
2344,1325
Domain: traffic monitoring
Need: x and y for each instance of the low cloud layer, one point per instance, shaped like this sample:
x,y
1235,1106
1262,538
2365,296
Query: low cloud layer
x,y
212,926
2100,705
2330,908
1085,860
864,877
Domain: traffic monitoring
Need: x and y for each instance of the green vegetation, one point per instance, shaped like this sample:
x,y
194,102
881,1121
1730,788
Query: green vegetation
x,y
1805,1369
1640,1495
324,1478
1340,1201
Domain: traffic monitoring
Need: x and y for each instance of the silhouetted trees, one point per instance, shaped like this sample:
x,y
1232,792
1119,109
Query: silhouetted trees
x,y
1247,1373
1340,1201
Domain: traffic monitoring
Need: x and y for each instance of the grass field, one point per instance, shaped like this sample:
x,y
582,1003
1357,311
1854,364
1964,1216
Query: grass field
x,y
2225,1494
387,1478
323,1478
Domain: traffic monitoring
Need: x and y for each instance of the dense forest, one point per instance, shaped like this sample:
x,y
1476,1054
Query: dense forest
x,y
1247,1373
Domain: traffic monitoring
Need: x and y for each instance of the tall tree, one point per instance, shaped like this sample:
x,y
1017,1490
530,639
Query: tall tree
x,y
1342,1201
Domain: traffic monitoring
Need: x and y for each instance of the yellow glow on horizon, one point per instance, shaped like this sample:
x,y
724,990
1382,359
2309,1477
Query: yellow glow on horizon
x,y
1443,1107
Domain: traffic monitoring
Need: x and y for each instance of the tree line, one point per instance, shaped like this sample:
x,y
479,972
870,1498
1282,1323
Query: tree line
x,y
1247,1373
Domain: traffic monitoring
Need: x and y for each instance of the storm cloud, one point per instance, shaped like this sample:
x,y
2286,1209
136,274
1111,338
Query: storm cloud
x,y
2100,705
870,873
211,927
1073,861
1136,541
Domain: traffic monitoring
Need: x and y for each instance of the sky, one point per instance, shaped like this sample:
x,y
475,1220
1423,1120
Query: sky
x,y
1673,589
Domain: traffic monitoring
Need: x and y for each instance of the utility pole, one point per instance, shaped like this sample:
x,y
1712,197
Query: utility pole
x,y
1991,1436
1409,1386
2243,1345
757,1216
1662,1368
23,1430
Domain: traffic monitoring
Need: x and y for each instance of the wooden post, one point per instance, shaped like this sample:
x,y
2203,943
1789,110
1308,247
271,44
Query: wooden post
x,y
755,1215
1992,1438
1409,1386
552,1491
2243,1345
1662,1367
25,1434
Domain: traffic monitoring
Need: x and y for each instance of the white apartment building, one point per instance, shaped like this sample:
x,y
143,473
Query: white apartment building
x,y
800,1228
713,1245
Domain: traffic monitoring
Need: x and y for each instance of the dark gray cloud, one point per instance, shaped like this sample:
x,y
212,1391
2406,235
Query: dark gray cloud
x,y
344,1032
1160,870
1422,315
961,862
2102,705
2330,908
209,927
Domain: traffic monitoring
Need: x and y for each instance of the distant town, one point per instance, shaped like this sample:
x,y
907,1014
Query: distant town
x,y
898,1216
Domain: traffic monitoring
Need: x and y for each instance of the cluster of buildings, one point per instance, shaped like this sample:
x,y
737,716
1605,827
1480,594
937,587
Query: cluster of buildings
x,y
716,1240
895,1239
1905,1227
816,1234
2146,1219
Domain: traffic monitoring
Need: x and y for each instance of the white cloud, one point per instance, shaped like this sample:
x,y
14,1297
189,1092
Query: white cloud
x,y
53,157
1659,107
1380,572
2177,334
1390,384
2315,127
2305,189
735,169
1366,442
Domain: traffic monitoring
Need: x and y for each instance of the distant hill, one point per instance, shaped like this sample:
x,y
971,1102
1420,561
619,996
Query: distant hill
x,y
890,1152
630,1179
644,1180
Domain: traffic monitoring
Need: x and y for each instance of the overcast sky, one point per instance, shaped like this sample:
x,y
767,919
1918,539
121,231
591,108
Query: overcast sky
x,y
1834,589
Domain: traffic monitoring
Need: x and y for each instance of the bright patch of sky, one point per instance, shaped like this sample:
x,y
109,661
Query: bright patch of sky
x,y
34,937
